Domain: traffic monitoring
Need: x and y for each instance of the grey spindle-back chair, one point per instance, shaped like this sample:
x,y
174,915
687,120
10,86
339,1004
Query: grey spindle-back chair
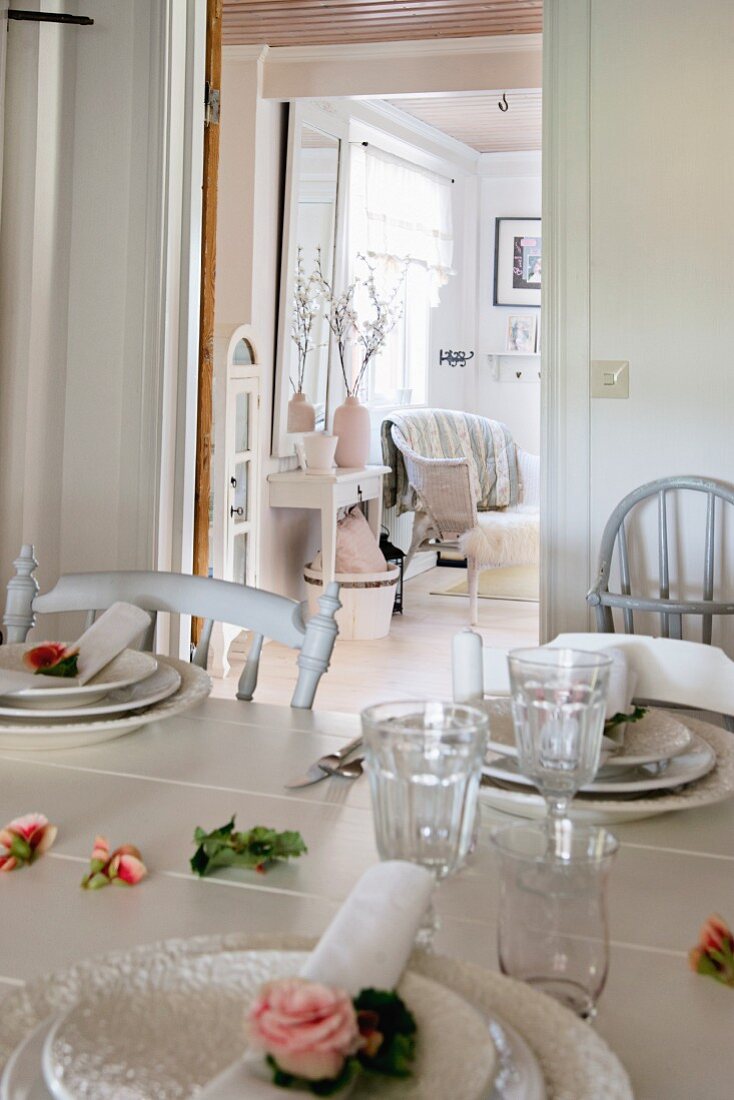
x,y
671,611
266,614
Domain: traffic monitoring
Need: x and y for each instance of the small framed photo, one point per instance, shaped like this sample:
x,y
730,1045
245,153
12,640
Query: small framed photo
x,y
521,334
517,261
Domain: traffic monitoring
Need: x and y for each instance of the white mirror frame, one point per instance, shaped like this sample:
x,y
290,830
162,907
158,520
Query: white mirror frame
x,y
303,113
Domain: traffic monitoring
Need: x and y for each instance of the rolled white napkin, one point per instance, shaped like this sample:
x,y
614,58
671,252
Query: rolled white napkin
x,y
11,681
367,944
116,629
622,682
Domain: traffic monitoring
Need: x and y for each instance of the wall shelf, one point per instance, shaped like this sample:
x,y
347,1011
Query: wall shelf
x,y
529,373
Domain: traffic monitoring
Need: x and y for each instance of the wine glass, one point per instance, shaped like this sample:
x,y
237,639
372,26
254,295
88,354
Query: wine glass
x,y
558,708
553,929
424,761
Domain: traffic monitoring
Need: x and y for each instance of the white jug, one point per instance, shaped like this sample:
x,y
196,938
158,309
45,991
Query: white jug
x,y
315,452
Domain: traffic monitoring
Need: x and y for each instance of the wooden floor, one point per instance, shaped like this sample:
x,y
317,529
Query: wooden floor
x,y
413,661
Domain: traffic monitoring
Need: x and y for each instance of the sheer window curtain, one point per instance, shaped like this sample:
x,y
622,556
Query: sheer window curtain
x,y
397,212
400,211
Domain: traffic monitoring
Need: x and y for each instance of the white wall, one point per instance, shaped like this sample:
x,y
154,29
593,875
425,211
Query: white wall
x,y
641,196
79,276
510,186
252,153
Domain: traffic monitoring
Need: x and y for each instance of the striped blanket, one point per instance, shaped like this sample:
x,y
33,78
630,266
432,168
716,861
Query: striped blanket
x,y
444,433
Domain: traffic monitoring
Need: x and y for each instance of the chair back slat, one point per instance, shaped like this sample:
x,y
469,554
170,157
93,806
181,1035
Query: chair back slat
x,y
624,572
708,567
663,570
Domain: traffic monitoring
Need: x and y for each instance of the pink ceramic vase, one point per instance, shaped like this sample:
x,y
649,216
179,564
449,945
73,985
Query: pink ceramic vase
x,y
301,414
352,425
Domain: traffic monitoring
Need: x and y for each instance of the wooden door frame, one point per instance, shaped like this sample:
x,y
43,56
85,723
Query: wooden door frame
x,y
204,419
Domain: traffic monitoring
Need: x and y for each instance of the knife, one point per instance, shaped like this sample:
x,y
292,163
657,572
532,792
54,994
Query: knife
x,y
316,773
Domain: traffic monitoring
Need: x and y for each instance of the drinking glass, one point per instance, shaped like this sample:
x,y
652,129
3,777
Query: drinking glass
x,y
424,761
553,931
558,706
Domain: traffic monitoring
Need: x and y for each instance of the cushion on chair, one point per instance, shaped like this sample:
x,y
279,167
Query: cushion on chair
x,y
504,538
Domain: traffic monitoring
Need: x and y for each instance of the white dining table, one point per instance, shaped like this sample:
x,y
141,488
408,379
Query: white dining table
x,y
672,1029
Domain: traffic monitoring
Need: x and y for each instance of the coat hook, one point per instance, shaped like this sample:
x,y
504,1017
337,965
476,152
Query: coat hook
x,y
503,104
518,374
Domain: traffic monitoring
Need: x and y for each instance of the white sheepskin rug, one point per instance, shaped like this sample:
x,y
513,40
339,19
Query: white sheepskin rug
x,y
504,538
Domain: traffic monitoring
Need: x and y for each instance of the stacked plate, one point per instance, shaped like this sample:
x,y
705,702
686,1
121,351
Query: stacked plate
x,y
660,763
133,690
77,1035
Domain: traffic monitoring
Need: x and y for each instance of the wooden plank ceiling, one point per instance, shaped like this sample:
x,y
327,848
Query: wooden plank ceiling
x,y
338,22
478,122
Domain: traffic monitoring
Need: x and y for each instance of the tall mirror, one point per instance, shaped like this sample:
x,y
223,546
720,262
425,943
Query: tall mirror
x,y
311,221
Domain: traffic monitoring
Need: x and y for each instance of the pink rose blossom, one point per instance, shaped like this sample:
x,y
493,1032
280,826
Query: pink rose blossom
x,y
307,1028
24,839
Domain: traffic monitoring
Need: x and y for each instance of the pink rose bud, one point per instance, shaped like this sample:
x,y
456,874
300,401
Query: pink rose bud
x,y
126,867
715,934
307,1028
101,850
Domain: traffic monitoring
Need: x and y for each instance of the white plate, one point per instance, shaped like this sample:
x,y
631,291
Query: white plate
x,y
126,668
55,734
696,762
716,786
575,1062
23,1076
519,1076
98,1048
162,683
658,736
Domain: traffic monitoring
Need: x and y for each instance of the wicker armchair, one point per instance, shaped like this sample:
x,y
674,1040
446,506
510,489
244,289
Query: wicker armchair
x,y
447,516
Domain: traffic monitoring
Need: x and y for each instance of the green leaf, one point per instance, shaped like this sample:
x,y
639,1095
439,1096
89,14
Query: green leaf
x,y
20,849
66,667
255,848
397,1026
94,881
620,718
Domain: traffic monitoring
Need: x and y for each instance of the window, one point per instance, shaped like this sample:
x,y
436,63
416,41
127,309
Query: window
x,y
401,212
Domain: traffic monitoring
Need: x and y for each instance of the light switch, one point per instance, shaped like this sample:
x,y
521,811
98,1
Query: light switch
x,y
610,378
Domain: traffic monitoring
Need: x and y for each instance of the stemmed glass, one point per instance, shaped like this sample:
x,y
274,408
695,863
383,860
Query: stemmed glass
x,y
425,761
558,707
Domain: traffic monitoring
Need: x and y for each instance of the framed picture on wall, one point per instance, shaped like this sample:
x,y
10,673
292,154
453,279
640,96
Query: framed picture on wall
x,y
521,334
517,261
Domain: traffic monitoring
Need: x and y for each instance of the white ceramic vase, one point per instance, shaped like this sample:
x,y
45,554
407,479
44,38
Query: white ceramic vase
x,y
301,414
352,425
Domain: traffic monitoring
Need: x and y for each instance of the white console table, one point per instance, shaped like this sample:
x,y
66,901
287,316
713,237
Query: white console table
x,y
329,493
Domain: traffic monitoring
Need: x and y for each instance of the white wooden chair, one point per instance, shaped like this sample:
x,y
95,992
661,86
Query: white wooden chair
x,y
684,674
447,516
670,608
265,613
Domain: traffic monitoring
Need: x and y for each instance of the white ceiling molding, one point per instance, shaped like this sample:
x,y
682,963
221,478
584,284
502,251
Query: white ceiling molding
x,y
441,143
258,52
487,44
382,70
